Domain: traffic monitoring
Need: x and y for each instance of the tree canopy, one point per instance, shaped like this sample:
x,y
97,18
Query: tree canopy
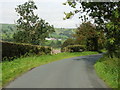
x,y
31,28
106,16
87,35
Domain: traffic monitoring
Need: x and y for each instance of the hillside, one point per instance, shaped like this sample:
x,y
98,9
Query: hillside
x,y
7,31
60,35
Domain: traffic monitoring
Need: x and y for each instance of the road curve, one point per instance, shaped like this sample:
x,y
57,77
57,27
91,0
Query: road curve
x,y
77,72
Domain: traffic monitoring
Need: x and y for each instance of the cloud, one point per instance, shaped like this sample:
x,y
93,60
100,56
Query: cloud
x,y
42,1
49,10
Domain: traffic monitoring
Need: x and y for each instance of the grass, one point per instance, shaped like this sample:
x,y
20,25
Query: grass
x,y
108,69
103,50
15,68
0,75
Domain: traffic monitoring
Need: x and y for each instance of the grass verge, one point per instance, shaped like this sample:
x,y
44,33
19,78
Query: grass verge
x,y
108,69
15,68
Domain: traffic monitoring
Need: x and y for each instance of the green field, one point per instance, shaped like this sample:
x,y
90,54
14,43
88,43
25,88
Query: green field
x,y
15,68
60,33
7,31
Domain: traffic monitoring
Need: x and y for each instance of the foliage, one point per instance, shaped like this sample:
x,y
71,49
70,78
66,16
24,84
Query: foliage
x,y
108,69
106,15
67,42
101,40
15,68
73,48
87,35
60,33
52,43
13,50
31,29
58,44
7,31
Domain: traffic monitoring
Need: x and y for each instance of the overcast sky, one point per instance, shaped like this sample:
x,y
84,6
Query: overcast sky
x,y
50,10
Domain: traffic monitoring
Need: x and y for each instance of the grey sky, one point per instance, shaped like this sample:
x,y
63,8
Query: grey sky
x,y
50,10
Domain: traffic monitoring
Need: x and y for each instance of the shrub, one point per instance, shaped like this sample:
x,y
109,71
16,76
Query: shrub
x,y
73,48
67,42
108,69
11,50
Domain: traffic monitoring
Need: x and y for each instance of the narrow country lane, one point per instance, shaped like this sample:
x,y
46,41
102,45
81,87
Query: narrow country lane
x,y
77,72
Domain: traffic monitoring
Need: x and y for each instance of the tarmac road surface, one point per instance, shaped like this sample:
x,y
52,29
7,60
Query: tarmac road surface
x,y
77,72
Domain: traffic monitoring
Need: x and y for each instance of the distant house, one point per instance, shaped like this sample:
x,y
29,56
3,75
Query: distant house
x,y
59,39
52,39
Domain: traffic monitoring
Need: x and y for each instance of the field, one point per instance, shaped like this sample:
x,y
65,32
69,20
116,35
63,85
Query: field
x,y
7,31
60,33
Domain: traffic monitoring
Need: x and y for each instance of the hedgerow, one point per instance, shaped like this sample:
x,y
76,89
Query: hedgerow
x,y
11,50
73,48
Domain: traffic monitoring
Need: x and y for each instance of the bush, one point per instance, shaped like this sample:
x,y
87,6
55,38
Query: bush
x,y
11,50
108,69
67,42
73,48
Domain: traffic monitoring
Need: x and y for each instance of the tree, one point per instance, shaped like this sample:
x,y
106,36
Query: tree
x,y
106,15
58,43
67,42
52,44
87,35
31,28
101,40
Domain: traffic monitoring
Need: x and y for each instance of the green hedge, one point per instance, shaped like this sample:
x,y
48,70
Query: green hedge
x,y
73,48
11,50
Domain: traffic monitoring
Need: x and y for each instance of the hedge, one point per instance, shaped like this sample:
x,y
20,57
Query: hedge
x,y
11,50
73,48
